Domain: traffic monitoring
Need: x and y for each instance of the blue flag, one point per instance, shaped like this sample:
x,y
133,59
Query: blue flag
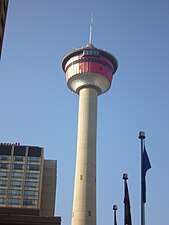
x,y
127,211
145,166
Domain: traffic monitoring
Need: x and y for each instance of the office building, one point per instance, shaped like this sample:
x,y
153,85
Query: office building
x,y
89,72
27,184
3,15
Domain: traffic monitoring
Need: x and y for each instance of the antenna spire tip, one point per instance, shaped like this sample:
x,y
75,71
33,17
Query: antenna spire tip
x,y
91,26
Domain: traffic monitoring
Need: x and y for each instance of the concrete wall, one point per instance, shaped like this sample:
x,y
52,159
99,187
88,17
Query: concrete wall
x,y
48,188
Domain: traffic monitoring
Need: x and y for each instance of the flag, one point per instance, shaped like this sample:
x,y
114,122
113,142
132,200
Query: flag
x,y
127,211
145,166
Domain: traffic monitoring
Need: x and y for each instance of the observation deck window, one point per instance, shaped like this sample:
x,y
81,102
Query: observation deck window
x,y
91,52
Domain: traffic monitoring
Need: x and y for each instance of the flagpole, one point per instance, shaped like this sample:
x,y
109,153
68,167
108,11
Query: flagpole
x,y
142,137
115,218
125,178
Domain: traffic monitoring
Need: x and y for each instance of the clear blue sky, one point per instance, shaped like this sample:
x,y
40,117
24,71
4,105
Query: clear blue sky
x,y
38,109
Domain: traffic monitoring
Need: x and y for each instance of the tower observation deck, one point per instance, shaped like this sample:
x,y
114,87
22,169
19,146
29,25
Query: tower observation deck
x,y
89,72
89,67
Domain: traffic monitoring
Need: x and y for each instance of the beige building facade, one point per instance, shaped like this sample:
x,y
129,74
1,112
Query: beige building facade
x,y
27,182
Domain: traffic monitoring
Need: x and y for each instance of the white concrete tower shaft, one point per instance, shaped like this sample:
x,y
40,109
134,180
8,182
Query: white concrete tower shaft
x,y
84,203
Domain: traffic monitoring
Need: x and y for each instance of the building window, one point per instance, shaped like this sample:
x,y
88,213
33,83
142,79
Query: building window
x,y
30,202
33,159
33,167
3,183
18,166
14,201
31,184
19,158
4,174
3,191
4,166
33,176
15,192
2,201
5,157
31,193
17,175
16,183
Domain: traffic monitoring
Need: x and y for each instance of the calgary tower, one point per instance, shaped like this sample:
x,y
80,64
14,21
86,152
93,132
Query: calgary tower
x,y
89,72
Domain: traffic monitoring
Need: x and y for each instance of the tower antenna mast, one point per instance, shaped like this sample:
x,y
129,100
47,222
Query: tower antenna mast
x,y
91,26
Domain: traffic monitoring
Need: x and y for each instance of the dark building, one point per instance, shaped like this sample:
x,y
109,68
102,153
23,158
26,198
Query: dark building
x,y
3,14
27,186
12,219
